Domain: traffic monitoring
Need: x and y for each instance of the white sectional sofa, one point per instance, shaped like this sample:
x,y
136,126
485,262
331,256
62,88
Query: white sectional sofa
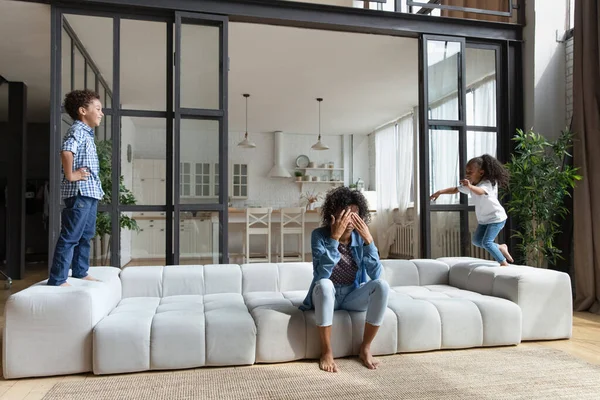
x,y
156,318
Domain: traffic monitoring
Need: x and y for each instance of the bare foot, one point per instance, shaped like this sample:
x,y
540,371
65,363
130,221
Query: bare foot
x,y
504,250
327,363
65,284
367,359
90,278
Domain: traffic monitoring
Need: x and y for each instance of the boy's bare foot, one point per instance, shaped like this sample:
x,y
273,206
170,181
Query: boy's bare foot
x,y
367,359
90,278
504,250
65,284
504,264
327,363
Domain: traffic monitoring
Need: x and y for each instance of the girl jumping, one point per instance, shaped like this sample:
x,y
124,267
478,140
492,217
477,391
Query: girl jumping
x,y
484,175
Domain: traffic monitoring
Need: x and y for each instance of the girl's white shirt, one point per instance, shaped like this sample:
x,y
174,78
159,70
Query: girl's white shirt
x,y
487,206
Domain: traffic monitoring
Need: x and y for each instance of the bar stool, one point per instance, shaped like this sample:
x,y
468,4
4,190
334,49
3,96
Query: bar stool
x,y
258,222
292,223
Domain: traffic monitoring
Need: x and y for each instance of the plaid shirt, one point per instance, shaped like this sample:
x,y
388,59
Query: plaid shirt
x,y
80,141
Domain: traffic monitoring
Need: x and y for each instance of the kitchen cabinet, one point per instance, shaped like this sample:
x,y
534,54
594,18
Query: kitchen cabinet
x,y
239,179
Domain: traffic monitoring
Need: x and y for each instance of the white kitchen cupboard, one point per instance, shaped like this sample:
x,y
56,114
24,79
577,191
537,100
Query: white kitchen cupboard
x,y
149,181
239,179
150,241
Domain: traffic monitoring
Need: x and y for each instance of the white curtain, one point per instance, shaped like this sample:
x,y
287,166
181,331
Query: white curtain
x,y
393,170
483,111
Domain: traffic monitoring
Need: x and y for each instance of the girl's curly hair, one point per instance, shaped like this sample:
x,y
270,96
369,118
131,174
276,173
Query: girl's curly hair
x,y
338,199
79,98
493,170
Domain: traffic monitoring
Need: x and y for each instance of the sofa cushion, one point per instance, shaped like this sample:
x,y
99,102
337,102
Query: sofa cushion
x,y
415,272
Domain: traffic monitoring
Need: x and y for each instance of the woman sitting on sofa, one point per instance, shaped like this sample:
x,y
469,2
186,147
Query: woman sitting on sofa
x,y
343,256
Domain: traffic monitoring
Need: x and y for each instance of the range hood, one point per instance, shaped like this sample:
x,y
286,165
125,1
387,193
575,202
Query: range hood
x,y
278,171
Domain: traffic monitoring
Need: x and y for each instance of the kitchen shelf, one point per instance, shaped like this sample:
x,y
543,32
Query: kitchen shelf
x,y
327,182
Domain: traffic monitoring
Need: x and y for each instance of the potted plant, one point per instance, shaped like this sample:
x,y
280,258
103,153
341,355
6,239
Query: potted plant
x,y
103,222
298,175
539,181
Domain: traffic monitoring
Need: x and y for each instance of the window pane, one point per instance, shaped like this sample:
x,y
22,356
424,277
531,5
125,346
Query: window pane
x,y
200,60
143,88
66,64
479,143
198,237
90,79
79,70
200,148
95,35
445,234
481,83
443,62
443,164
145,245
101,243
143,160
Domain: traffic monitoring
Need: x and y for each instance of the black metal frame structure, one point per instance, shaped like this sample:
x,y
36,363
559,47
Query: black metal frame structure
x,y
460,125
505,38
432,4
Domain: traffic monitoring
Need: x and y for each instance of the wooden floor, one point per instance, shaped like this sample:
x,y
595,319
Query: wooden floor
x,y
585,344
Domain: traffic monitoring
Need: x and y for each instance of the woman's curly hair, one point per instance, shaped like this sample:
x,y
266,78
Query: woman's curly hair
x,y
338,199
493,170
79,98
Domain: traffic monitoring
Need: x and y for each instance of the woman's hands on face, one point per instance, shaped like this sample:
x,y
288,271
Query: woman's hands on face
x,y
362,228
339,225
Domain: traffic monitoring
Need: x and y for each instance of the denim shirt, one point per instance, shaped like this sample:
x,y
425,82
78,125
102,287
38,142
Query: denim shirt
x,y
326,255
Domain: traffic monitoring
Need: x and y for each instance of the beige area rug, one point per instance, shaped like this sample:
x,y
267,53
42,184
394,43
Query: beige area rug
x,y
501,373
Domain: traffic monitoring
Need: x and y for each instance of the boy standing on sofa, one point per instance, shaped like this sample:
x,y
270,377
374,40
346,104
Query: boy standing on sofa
x,y
80,189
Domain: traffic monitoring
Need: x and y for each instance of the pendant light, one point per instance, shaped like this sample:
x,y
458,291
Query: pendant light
x,y
246,144
319,145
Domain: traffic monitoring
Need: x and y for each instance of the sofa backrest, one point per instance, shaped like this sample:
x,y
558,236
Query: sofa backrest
x,y
276,277
417,272
159,281
173,280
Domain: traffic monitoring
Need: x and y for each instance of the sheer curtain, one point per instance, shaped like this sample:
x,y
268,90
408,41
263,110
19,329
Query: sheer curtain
x,y
482,112
393,170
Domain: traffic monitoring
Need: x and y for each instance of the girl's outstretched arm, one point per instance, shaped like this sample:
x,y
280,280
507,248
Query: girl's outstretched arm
x,y
450,190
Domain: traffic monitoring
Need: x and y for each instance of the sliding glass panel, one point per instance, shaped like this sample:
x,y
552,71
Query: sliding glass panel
x,y
481,87
443,164
199,237
143,239
200,61
143,160
445,234
199,158
143,66
443,72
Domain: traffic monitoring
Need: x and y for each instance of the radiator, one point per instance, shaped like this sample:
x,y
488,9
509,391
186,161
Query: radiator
x,y
451,246
404,242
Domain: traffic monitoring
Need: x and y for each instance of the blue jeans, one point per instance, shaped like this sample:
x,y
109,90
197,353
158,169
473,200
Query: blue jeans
x,y
78,227
371,297
485,235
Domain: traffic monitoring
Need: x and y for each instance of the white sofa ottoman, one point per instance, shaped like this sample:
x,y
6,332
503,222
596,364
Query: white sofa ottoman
x,y
48,329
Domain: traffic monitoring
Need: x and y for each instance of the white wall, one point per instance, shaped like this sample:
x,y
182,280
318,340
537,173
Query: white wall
x,y
544,67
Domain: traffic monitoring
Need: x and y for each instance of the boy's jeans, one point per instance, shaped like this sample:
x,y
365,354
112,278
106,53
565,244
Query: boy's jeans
x,y
485,235
78,227
371,297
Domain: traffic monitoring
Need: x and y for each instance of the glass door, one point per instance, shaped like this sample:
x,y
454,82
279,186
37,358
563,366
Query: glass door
x,y
200,139
459,97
